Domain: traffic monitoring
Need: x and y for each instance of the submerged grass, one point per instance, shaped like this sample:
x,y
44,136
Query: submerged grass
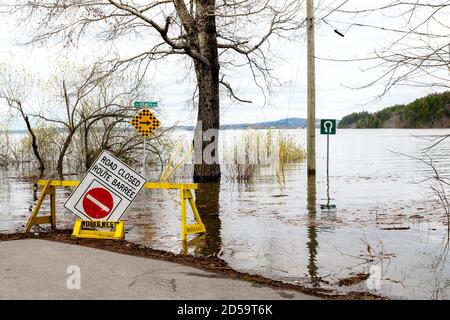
x,y
255,148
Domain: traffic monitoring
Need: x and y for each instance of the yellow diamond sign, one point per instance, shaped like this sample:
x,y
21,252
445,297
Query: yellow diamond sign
x,y
145,122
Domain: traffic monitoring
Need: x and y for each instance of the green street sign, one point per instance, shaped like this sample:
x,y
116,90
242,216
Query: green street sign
x,y
328,126
145,104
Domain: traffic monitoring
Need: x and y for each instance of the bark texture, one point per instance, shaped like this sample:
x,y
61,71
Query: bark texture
x,y
208,89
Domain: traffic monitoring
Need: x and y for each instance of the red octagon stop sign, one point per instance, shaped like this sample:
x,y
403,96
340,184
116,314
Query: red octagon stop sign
x,y
98,203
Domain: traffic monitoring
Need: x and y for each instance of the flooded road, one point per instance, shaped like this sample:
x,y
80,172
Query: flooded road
x,y
386,217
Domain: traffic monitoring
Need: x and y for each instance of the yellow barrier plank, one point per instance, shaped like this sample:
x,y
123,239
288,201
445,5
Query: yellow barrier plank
x,y
42,220
195,228
168,185
148,185
60,183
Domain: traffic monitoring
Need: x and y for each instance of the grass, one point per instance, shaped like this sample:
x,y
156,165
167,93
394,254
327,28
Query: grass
x,y
256,148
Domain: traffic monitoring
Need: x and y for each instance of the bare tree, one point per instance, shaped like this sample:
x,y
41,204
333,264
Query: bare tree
x,y
14,86
215,36
418,55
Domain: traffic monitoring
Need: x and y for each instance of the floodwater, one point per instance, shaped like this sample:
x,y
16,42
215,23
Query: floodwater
x,y
387,219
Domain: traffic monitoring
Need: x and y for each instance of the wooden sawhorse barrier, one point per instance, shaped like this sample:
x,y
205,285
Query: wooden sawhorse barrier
x,y
186,196
48,190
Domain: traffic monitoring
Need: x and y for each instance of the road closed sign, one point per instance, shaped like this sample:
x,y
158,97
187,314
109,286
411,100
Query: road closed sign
x,y
106,191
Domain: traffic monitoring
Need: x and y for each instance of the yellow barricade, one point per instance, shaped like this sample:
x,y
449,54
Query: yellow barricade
x,y
185,197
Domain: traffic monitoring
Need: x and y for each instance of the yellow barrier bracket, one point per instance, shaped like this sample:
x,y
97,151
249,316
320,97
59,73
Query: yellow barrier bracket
x,y
34,220
80,232
199,227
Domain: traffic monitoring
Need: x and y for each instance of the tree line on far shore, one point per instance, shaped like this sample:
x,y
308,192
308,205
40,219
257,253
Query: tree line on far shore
x,y
432,111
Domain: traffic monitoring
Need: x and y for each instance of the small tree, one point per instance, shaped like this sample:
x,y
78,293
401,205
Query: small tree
x,y
14,88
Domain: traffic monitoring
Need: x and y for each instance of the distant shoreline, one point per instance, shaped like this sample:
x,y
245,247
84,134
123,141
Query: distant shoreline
x,y
289,123
231,127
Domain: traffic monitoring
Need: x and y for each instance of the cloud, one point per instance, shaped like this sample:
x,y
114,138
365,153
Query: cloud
x,y
335,96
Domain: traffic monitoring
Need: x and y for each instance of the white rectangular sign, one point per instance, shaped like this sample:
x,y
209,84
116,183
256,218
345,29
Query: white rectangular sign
x,y
106,191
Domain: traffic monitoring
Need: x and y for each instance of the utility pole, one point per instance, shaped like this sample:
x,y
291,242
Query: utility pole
x,y
311,99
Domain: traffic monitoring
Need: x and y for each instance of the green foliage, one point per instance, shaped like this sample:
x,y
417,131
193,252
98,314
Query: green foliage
x,y
429,112
351,119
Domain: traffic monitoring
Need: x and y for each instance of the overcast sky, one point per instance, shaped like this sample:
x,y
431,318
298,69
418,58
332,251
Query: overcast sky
x,y
335,98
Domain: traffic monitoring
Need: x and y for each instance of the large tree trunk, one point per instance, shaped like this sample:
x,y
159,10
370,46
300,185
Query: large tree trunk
x,y
207,167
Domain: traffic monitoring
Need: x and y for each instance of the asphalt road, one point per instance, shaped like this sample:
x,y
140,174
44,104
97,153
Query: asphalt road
x,y
39,269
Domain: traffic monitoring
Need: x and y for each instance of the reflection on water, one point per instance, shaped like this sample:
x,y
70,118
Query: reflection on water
x,y
276,230
207,201
312,243
207,198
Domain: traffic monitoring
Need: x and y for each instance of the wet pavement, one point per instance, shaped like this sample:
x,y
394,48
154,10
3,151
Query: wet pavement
x,y
37,269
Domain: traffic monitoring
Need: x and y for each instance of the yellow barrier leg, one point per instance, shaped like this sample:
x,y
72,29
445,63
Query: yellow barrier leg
x,y
194,207
198,227
34,218
120,231
76,228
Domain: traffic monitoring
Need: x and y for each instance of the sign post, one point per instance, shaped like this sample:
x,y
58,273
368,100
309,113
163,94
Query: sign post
x,y
328,127
144,162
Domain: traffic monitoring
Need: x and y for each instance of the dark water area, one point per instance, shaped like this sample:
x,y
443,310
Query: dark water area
x,y
386,217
